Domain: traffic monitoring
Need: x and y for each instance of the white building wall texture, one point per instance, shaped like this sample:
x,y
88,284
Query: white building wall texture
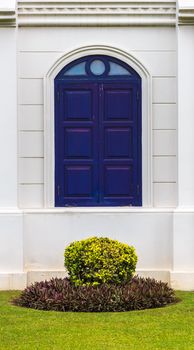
x,y
154,47
160,36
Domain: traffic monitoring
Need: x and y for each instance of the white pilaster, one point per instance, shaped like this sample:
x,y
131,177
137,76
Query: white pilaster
x,y
8,107
185,38
182,275
11,219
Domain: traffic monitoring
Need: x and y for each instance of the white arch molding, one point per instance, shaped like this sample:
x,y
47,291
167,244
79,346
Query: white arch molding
x,y
49,144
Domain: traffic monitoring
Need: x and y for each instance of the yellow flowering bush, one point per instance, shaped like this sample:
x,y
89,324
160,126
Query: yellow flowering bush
x,y
98,260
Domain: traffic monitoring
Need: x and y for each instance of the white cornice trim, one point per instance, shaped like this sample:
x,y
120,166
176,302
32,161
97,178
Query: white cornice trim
x,y
186,16
7,17
185,12
100,13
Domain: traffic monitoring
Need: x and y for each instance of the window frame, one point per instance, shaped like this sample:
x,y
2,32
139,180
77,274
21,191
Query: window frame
x,y
49,160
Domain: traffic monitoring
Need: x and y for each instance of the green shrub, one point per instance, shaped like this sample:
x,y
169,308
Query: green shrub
x,y
94,261
61,295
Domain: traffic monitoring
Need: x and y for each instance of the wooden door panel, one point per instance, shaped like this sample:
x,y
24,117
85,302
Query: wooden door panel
x,y
123,187
76,127
78,143
118,142
118,104
119,173
78,104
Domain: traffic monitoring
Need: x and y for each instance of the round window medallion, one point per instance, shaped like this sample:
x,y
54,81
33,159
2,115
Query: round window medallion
x,y
97,67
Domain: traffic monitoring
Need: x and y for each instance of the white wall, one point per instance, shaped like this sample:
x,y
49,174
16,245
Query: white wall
x,y
47,234
11,242
11,219
39,48
8,120
38,238
183,226
32,241
186,115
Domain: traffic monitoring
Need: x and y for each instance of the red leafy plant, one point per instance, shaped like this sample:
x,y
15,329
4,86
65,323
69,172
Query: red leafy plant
x,y
61,295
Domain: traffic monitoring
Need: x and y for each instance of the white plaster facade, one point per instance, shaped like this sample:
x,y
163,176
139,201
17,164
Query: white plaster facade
x,y
38,38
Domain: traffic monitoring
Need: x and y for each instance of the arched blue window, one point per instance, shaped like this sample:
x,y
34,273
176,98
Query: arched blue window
x,y
98,134
92,67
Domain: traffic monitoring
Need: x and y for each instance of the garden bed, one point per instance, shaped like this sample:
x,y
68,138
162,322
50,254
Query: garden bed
x,y
62,295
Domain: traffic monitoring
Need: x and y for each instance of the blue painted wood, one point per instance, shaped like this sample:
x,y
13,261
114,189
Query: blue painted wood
x,y
119,173
76,154
98,140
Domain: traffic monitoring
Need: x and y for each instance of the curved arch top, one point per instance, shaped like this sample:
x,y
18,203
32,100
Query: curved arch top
x,y
78,53
97,67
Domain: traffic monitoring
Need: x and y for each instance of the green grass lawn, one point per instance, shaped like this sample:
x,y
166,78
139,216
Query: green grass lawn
x,y
167,328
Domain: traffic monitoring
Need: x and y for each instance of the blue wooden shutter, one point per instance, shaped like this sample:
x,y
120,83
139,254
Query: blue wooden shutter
x,y
120,182
98,143
76,144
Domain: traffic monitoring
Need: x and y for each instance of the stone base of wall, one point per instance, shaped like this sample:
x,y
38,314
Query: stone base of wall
x,y
19,281
32,243
13,281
